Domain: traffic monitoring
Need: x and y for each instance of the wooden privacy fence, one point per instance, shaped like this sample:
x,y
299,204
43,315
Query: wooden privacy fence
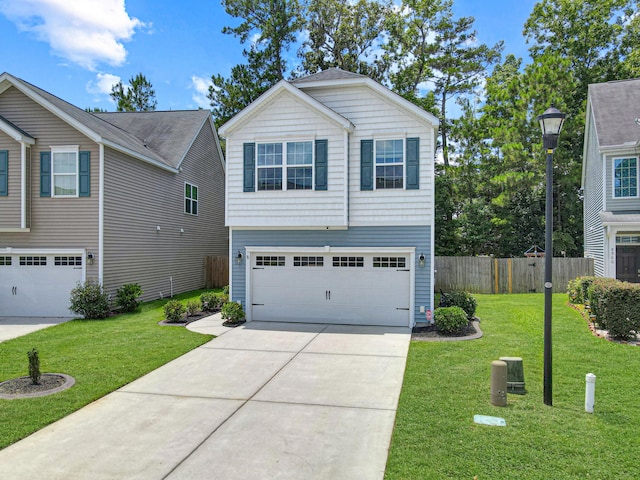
x,y
506,275
216,271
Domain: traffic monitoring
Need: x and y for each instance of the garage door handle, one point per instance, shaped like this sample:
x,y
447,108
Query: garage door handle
x,y
258,268
327,294
403,270
257,304
14,290
399,308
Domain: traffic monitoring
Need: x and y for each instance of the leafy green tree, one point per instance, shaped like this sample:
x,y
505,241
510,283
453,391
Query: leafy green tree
x,y
138,96
345,35
270,28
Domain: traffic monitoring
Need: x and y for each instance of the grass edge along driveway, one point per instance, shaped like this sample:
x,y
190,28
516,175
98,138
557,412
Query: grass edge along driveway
x,y
102,356
447,383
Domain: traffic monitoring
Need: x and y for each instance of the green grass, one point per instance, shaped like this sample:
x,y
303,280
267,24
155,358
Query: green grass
x,y
102,356
446,383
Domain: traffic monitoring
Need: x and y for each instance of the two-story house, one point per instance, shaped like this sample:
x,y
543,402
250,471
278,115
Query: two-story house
x,y
330,203
109,197
610,179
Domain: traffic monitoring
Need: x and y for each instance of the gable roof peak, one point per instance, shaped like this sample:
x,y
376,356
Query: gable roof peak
x,y
333,73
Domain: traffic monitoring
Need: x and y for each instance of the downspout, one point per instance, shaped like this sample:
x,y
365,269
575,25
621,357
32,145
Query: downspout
x,y
101,215
23,185
346,178
433,222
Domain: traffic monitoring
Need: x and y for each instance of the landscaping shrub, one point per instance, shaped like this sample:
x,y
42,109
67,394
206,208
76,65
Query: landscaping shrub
x,y
173,311
464,300
450,319
127,297
232,313
213,301
34,366
225,290
595,294
577,289
193,307
90,301
620,311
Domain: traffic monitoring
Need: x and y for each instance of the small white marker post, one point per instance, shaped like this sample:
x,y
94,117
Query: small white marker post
x,y
590,393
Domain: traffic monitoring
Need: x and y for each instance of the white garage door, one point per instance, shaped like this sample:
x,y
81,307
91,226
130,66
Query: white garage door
x,y
38,285
362,289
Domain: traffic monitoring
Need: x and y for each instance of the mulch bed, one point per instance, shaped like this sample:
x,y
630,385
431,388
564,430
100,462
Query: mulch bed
x,y
430,332
187,320
23,387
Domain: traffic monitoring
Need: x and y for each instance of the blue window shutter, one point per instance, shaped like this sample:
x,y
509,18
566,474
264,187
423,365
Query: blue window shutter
x,y
45,174
321,165
249,152
366,164
4,173
413,163
84,174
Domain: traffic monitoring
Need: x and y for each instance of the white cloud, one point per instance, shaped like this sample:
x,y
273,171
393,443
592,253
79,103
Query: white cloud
x,y
201,85
102,84
85,32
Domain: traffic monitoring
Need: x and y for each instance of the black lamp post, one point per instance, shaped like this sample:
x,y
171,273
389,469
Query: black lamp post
x,y
551,123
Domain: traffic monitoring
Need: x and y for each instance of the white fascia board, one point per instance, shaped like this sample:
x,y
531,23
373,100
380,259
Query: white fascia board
x,y
283,85
16,135
131,153
628,148
301,227
380,89
587,124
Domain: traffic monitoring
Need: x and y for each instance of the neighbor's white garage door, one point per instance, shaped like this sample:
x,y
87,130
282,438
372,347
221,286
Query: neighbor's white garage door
x,y
361,289
38,285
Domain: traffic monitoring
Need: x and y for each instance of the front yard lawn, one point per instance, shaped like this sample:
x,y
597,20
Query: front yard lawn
x,y
447,383
102,356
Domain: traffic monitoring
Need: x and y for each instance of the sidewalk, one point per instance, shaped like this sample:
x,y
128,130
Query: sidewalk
x,y
262,401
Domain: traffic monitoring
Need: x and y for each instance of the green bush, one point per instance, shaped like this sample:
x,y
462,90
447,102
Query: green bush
x,y
232,313
90,301
225,290
450,319
34,366
127,297
577,289
596,293
464,300
619,310
213,301
173,311
193,307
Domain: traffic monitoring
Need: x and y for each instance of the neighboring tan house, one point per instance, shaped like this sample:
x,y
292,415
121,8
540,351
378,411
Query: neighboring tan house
x,y
610,179
111,197
330,203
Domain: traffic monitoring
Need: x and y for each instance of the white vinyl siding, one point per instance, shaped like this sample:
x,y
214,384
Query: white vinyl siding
x,y
287,120
594,239
377,117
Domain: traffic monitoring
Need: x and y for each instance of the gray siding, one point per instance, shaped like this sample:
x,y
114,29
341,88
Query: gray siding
x,y
139,197
10,205
412,236
593,203
618,204
54,222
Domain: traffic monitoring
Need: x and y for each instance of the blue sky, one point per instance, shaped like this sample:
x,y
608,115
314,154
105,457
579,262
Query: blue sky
x,y
77,49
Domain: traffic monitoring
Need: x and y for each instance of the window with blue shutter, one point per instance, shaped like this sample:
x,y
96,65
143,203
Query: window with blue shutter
x,y
413,164
249,153
45,174
4,173
366,164
321,165
84,174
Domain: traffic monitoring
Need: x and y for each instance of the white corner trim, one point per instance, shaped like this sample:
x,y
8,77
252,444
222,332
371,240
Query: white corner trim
x,y
23,185
101,214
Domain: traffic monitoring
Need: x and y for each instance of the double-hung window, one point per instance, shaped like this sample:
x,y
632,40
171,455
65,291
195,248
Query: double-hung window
x,y
389,163
64,171
272,172
625,177
190,199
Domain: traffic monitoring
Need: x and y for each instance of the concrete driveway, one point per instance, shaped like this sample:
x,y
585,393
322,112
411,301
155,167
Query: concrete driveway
x,y
262,401
13,327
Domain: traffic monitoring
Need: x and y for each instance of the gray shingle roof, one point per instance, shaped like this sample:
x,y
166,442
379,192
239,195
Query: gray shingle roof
x,y
329,74
616,106
163,137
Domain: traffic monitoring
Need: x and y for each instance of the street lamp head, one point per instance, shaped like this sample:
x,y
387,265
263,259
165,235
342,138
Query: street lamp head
x,y
551,123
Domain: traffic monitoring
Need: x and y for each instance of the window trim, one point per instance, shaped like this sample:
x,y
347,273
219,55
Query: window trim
x,y
284,166
404,161
185,199
613,177
75,149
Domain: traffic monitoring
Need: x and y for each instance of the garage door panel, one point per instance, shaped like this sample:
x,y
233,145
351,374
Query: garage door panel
x,y
350,290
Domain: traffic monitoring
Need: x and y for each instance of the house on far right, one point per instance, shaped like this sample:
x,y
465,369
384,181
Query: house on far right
x,y
610,178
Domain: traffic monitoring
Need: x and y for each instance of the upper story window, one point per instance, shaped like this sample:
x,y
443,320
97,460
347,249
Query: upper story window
x,y
190,199
64,171
625,177
389,167
271,172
